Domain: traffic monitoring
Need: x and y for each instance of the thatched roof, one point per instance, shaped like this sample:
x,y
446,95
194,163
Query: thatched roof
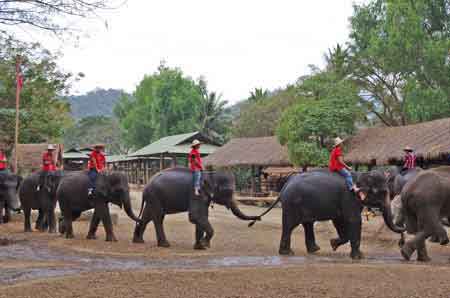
x,y
264,151
430,140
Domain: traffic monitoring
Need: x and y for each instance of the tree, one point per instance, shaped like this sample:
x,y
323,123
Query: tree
x,y
327,107
96,129
399,58
43,115
258,94
55,16
164,103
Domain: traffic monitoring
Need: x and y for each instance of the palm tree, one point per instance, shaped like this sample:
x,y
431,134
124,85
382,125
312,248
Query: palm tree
x,y
213,117
258,94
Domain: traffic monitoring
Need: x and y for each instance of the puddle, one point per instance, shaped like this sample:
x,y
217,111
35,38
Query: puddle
x,y
76,263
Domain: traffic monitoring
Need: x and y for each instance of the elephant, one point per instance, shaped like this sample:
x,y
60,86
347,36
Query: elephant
x,y
396,180
171,191
321,195
43,200
425,201
9,184
72,194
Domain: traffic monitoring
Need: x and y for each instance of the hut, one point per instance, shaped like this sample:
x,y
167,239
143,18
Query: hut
x,y
75,160
384,145
261,155
166,152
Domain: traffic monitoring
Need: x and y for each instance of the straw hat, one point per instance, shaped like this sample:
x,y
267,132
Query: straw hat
x,y
407,148
338,141
99,145
195,143
50,147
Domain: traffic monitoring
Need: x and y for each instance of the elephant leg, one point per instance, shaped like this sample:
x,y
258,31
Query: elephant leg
x,y
103,211
339,225
27,219
200,242
93,225
355,239
51,220
289,223
2,207
158,221
310,239
68,228
38,223
139,230
7,216
422,254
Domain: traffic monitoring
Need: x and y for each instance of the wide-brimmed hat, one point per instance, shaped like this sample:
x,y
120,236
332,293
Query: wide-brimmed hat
x,y
99,145
407,148
195,143
50,147
338,141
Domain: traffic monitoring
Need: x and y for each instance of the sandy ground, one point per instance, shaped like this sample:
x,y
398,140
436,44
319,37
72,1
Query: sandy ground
x,y
242,262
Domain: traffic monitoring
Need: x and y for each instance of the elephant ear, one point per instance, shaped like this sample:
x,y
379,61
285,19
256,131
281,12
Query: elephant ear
x,y
102,185
208,185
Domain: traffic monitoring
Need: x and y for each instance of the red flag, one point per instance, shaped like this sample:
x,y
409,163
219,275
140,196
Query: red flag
x,y
19,76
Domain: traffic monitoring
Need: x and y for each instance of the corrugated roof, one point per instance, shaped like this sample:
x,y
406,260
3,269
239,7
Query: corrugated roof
x,y
176,144
430,140
263,151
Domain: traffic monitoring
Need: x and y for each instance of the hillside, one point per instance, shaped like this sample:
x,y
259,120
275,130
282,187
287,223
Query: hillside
x,y
98,102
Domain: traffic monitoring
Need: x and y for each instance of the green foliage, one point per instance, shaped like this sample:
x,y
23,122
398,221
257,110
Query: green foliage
x,y
260,118
98,102
399,58
168,103
96,129
43,115
327,107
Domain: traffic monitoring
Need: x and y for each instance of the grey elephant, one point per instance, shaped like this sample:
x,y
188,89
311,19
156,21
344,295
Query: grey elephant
x,y
321,195
397,180
171,191
72,194
425,201
43,200
9,184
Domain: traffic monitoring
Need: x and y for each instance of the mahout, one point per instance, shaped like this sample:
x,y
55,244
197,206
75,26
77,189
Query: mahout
x,y
171,191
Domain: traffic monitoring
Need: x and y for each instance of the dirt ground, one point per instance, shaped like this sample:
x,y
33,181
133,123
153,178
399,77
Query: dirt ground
x,y
242,262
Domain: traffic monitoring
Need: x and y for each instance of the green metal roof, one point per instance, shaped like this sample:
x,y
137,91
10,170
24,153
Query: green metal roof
x,y
176,144
75,155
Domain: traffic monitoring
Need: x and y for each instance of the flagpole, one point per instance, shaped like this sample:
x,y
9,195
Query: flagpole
x,y
16,137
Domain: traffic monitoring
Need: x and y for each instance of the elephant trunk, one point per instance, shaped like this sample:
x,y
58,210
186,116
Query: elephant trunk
x,y
129,210
387,216
238,213
13,202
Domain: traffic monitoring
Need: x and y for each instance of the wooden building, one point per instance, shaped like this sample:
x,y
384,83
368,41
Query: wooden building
x,y
76,159
380,146
29,156
265,157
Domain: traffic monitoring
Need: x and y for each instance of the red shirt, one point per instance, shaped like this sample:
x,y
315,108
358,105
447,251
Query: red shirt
x,y
3,164
335,164
195,161
99,157
48,162
410,161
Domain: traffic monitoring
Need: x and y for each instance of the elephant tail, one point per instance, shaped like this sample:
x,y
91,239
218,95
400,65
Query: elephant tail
x,y
267,211
142,208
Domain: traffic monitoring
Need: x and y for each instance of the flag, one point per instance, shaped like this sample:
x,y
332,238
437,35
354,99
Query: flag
x,y
19,75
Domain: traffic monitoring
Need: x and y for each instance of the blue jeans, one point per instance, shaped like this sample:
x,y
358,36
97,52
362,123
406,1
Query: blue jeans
x,y
197,176
348,178
92,174
5,171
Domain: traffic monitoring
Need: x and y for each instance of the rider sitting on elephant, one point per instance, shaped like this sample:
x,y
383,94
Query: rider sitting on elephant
x,y
48,166
3,162
196,166
96,165
338,165
409,160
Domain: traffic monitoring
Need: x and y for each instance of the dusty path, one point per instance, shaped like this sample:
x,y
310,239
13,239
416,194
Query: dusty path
x,y
242,262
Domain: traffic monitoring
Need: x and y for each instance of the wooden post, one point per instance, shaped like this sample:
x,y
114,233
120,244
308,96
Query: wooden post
x,y
16,136
174,160
252,181
161,162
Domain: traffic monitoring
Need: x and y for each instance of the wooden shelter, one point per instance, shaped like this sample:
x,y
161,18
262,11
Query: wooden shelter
x,y
75,159
257,154
384,145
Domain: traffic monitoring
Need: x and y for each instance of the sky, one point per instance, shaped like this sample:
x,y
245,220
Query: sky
x,y
236,45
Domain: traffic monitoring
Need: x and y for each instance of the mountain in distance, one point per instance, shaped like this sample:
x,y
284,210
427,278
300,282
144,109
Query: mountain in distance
x,y
98,102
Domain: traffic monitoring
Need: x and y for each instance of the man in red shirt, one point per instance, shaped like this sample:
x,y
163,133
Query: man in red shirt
x,y
338,165
410,159
48,165
3,162
196,166
96,165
